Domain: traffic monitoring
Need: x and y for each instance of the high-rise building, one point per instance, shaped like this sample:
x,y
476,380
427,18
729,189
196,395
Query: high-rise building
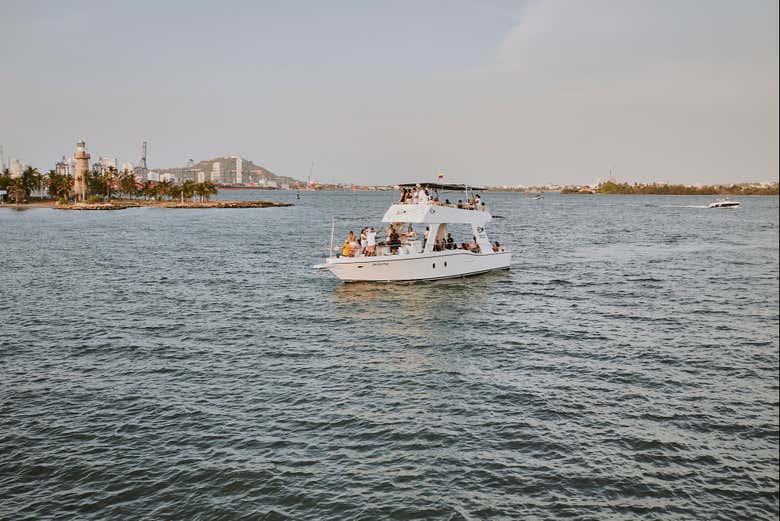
x,y
64,166
81,156
239,171
127,167
16,167
108,162
104,164
216,172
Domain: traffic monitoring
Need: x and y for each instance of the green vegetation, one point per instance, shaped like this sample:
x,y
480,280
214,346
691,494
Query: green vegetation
x,y
101,187
576,190
611,187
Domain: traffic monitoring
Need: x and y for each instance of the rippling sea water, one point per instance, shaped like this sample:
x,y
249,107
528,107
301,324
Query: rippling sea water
x,y
188,364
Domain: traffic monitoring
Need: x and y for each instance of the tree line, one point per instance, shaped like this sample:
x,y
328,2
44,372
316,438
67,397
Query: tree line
x,y
101,186
612,187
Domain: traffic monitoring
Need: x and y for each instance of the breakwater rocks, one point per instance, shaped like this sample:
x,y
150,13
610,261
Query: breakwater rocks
x,y
121,205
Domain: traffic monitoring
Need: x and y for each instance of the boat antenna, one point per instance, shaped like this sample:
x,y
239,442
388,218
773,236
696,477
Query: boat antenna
x,y
332,231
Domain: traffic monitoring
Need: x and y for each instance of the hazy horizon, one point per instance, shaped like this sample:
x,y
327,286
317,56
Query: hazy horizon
x,y
498,92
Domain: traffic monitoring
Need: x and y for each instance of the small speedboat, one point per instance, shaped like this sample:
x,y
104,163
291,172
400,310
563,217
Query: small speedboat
x,y
724,203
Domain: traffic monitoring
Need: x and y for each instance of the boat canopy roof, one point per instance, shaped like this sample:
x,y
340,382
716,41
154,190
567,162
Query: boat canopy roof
x,y
441,186
432,214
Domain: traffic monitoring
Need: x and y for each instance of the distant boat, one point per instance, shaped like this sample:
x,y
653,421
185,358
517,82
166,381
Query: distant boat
x,y
538,196
724,203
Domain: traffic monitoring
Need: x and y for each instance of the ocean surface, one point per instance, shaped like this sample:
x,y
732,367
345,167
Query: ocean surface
x,y
189,364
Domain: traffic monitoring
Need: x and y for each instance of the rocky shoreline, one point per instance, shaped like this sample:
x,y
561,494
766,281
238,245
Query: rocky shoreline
x,y
121,205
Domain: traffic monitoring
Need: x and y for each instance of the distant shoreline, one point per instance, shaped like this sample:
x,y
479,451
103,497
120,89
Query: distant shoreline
x,y
123,204
721,194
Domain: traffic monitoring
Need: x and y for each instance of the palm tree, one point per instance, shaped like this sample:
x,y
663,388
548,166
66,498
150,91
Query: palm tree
x,y
163,189
109,177
31,180
127,184
95,183
188,189
60,185
147,189
205,190
17,191
5,179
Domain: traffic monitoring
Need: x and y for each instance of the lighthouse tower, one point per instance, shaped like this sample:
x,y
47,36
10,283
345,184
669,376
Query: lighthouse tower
x,y
82,167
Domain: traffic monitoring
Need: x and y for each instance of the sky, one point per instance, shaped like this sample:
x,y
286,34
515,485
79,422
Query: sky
x,y
486,92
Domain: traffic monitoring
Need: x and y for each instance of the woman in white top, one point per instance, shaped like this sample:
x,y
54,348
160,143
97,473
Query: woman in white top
x,y
363,241
370,242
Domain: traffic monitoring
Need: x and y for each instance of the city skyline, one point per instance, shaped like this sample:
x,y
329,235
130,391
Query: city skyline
x,y
503,93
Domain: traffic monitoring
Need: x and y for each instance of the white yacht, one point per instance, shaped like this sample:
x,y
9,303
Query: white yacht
x,y
724,203
407,256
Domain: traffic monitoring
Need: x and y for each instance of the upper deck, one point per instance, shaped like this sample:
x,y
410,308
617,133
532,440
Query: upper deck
x,y
425,213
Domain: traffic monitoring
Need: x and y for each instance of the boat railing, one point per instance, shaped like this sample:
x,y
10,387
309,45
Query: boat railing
x,y
413,248
482,207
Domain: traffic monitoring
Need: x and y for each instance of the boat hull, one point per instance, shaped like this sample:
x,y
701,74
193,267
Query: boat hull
x,y
434,266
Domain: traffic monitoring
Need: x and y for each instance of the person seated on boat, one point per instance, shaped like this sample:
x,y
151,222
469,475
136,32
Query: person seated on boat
x,y
497,247
348,249
447,202
460,204
410,233
465,246
393,241
474,245
436,201
476,202
450,242
345,249
403,196
370,242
